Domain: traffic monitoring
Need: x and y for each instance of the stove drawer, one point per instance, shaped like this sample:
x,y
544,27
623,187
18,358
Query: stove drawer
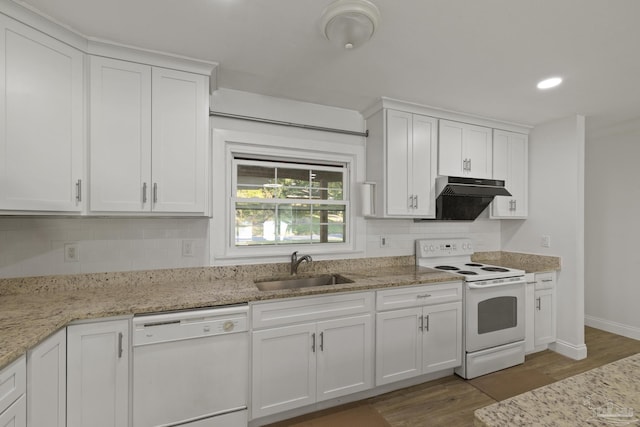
x,y
418,295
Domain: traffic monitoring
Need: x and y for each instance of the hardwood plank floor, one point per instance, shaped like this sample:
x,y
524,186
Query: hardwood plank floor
x,y
451,401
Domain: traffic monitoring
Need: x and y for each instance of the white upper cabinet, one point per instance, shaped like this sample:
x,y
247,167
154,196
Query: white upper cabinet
x,y
510,163
41,121
401,161
464,150
148,142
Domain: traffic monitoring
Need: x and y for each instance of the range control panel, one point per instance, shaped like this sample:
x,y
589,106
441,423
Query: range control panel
x,y
432,248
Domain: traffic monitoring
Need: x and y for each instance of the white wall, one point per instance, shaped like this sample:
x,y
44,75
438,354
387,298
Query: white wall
x,y
556,201
612,252
34,246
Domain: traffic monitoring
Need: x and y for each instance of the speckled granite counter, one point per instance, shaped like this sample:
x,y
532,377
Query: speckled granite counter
x,y
33,308
530,263
604,396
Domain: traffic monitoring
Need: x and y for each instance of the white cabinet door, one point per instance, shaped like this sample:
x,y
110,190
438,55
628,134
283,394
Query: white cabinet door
x,y
464,150
47,382
451,149
345,356
398,150
442,337
284,368
424,162
41,121
398,345
98,374
545,317
411,155
120,153
16,414
180,113
510,163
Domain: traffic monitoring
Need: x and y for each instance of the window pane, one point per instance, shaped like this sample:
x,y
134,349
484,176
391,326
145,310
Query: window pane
x,y
257,182
255,224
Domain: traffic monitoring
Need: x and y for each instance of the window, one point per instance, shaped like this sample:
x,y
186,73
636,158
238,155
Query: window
x,y
286,203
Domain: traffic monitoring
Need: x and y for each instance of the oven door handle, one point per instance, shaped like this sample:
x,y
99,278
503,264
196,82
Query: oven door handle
x,y
472,285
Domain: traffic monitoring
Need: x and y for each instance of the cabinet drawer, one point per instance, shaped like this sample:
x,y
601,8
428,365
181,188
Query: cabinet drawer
x,y
310,309
13,382
419,295
545,280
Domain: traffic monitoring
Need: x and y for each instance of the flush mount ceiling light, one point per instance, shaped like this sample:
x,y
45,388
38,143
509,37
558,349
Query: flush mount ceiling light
x,y
350,23
549,83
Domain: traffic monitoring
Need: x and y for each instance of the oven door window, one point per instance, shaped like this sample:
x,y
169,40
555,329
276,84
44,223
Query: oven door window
x,y
497,314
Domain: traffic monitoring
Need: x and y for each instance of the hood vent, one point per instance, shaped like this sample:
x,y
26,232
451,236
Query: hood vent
x,y
464,199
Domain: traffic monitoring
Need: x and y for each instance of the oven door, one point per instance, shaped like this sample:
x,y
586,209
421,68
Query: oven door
x,y
494,314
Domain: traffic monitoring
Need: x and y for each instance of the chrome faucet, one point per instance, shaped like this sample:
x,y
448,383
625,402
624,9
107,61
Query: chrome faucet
x,y
295,261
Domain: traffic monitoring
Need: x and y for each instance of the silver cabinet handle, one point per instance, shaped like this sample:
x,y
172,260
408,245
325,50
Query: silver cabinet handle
x,y
321,341
469,165
423,296
120,336
411,201
79,190
427,326
313,342
421,327
144,192
416,198
155,192
547,280
539,303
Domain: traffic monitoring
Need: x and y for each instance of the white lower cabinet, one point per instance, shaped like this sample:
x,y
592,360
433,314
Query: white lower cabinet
x,y
98,374
545,309
540,311
13,402
47,382
299,364
421,339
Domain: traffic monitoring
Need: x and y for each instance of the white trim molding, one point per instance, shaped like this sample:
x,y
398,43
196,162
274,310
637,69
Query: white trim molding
x,y
613,327
573,351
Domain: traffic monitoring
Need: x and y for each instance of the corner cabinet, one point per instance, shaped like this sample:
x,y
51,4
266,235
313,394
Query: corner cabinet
x,y
511,164
98,374
402,161
13,401
310,350
464,150
419,331
41,121
148,138
47,382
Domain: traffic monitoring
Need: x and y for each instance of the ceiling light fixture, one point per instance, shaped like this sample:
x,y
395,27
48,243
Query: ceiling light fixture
x,y
549,83
350,23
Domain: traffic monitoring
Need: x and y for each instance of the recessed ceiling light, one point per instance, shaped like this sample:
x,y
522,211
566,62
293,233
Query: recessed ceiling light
x,y
549,83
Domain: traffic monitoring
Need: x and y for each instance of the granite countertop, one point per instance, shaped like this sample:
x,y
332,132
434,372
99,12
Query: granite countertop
x,y
530,263
604,396
29,312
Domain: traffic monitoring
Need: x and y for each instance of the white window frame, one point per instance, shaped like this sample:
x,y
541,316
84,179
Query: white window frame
x,y
229,144
301,164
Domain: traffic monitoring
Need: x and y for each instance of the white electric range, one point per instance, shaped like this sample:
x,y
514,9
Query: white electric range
x,y
493,302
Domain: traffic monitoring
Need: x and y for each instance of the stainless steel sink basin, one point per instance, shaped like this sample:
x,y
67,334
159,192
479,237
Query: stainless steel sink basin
x,y
301,282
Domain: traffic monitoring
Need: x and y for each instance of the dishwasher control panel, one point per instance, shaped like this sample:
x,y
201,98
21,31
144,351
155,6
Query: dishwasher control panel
x,y
158,328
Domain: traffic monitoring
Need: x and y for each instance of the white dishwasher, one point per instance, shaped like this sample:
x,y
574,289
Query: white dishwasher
x,y
191,368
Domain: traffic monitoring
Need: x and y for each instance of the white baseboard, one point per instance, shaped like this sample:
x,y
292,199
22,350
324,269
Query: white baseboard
x,y
576,352
613,327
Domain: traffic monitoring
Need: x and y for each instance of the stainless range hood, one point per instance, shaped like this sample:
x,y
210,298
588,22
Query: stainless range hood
x,y
463,199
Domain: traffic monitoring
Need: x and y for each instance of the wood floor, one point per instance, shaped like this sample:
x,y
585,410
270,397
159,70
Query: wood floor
x,y
451,401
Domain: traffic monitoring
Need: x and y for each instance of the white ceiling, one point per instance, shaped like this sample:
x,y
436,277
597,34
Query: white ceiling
x,y
475,56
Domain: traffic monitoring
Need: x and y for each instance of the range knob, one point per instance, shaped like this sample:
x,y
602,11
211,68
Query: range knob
x,y
432,248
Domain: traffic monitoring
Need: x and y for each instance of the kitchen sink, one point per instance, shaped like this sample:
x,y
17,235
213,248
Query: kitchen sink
x,y
301,282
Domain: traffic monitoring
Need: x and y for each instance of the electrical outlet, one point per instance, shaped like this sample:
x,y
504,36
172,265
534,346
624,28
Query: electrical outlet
x,y
188,249
383,241
546,241
71,252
